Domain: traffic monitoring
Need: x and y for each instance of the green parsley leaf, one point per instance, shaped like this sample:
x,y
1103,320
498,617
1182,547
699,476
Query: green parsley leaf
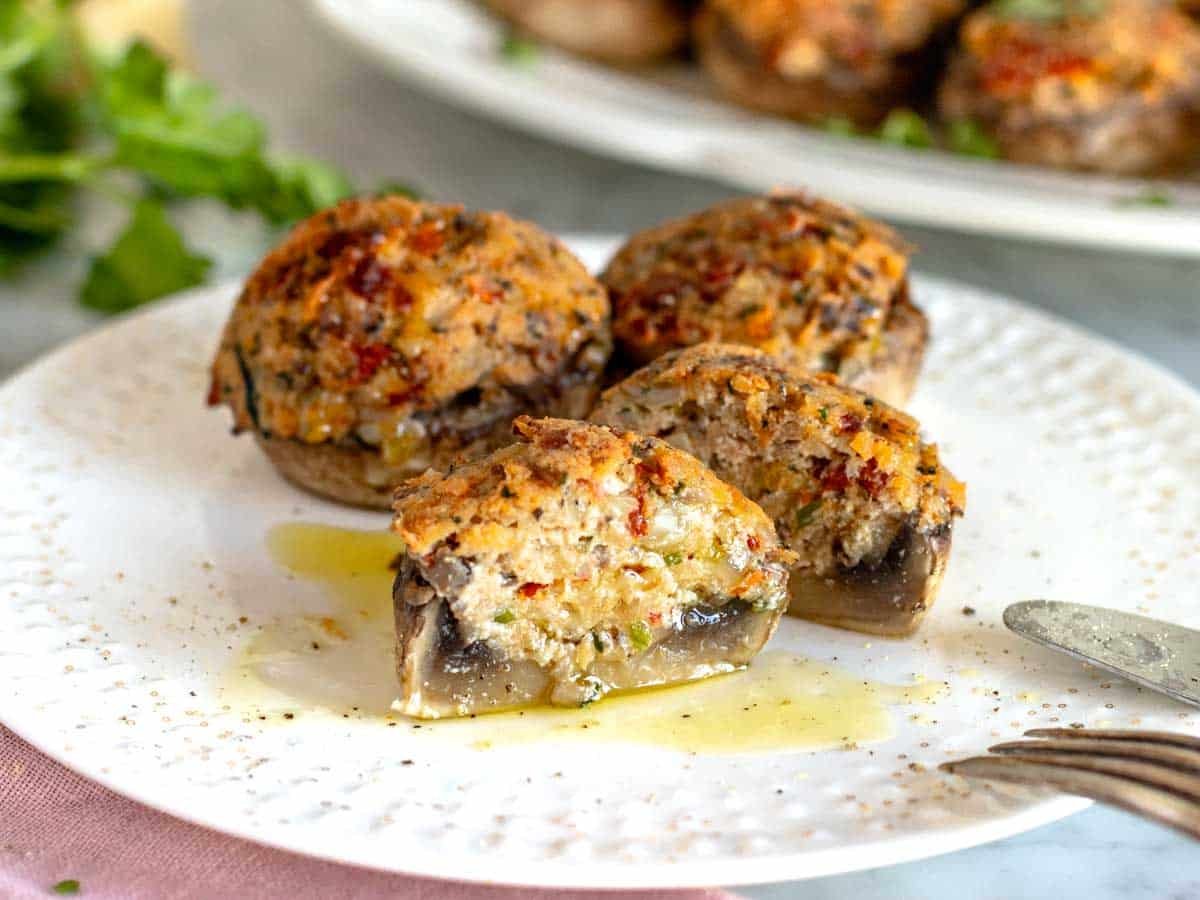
x,y
396,188
169,128
905,128
1149,196
38,120
840,125
304,186
504,617
17,247
47,167
38,111
149,260
32,217
672,559
640,636
519,51
67,886
144,119
965,136
805,514
42,216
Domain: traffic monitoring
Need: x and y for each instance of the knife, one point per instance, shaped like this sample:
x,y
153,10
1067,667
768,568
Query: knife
x,y
1156,654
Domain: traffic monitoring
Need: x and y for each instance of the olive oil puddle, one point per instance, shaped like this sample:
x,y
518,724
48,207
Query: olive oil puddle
x,y
341,663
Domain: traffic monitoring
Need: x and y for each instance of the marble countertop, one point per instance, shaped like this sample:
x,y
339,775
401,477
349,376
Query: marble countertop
x,y
320,98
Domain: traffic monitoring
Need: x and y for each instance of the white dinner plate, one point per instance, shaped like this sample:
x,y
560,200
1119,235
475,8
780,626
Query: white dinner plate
x,y
134,574
671,118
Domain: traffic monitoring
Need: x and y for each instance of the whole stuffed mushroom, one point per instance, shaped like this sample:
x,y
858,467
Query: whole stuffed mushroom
x,y
1111,86
801,278
816,60
386,336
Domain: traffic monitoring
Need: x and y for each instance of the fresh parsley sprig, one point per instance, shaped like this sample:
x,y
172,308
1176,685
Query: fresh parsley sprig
x,y
905,128
71,120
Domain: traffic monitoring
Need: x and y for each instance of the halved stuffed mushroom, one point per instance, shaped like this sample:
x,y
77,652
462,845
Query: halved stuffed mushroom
x,y
624,32
866,506
815,60
579,560
804,279
386,336
1109,86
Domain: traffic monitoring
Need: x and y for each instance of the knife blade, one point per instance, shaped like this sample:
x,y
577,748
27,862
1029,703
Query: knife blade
x,y
1159,655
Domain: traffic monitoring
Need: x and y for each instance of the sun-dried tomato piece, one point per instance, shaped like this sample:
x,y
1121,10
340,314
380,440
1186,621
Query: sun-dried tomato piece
x,y
370,357
429,237
872,479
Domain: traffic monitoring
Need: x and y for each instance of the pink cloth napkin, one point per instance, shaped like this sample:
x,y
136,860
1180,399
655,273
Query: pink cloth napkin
x,y
56,825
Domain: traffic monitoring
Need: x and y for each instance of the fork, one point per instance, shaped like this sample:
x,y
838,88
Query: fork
x,y
1155,774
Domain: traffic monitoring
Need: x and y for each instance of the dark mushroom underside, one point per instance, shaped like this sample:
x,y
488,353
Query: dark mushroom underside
x,y
887,598
840,91
1129,140
441,675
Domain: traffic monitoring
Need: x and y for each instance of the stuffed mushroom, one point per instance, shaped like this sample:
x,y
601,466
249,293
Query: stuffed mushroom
x,y
866,506
809,281
579,560
386,336
1111,86
815,60
623,32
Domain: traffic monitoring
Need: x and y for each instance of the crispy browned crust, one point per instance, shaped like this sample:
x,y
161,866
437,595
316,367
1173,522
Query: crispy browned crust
x,y
891,374
871,449
393,336
621,32
541,457
863,94
741,76
806,280
1114,88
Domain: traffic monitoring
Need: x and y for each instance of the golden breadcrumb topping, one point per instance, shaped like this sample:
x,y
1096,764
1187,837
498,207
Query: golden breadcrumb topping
x,y
790,439
1083,54
377,309
798,38
793,275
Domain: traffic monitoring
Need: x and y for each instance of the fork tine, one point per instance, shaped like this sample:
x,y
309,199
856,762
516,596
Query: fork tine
x,y
1151,802
1169,738
1175,757
1185,784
